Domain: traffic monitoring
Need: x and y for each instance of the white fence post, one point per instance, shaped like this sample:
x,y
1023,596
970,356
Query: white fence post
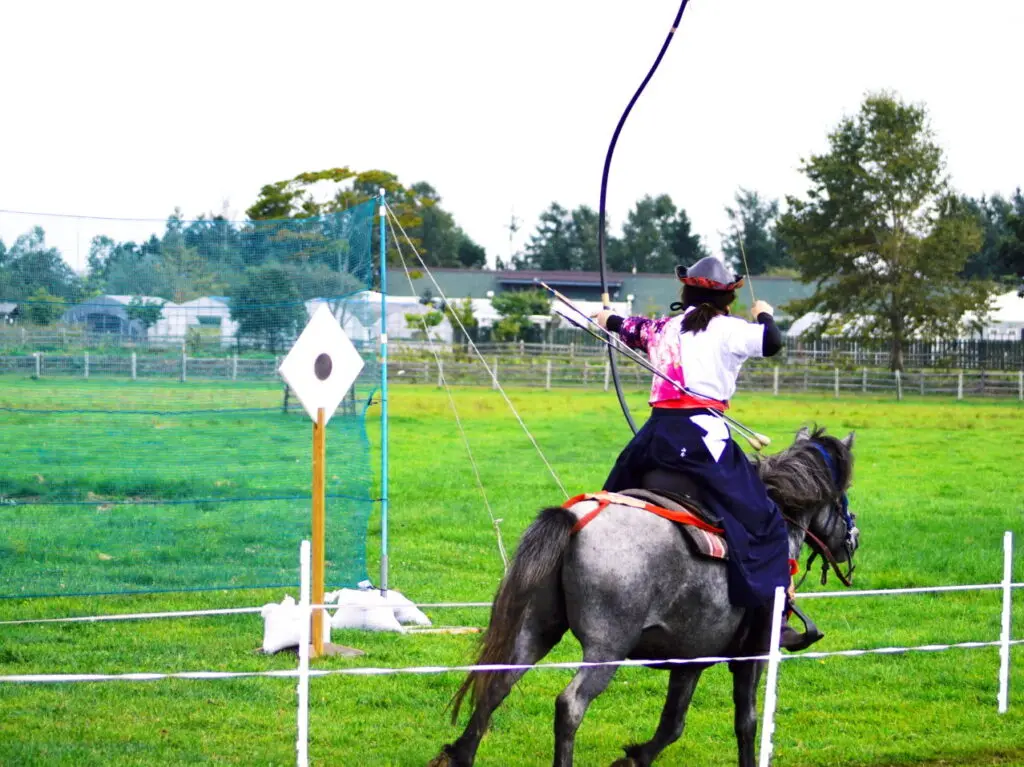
x,y
771,683
1020,385
775,381
607,374
134,368
440,373
837,382
899,387
86,370
922,383
234,367
306,618
586,369
494,374
960,385
547,376
1004,637
184,367
864,380
39,364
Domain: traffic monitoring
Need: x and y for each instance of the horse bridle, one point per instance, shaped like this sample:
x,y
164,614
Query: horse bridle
x,y
819,547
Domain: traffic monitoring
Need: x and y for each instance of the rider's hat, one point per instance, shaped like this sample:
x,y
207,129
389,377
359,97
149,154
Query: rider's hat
x,y
709,273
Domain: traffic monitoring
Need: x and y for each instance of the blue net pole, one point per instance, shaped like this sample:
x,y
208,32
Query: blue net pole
x,y
383,399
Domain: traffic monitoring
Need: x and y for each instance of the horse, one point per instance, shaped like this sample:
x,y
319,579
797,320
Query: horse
x,y
628,586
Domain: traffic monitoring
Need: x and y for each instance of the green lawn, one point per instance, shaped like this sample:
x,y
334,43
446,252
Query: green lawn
x,y
936,485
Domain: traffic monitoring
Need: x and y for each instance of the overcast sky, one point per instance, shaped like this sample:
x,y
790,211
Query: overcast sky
x,y
131,109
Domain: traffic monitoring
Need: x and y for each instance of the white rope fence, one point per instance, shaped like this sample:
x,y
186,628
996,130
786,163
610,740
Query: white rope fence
x,y
774,658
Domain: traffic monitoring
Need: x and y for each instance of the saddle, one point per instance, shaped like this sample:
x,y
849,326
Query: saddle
x,y
698,526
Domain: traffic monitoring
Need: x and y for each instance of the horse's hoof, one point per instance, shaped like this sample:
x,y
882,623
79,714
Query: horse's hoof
x,y
443,759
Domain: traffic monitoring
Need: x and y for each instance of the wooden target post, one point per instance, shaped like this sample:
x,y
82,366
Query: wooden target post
x,y
319,529
320,369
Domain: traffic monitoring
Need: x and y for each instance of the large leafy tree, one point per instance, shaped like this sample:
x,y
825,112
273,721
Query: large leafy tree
x,y
752,231
516,307
880,234
655,238
30,265
418,209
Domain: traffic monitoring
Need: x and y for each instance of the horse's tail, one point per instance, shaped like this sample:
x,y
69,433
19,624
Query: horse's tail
x,y
538,557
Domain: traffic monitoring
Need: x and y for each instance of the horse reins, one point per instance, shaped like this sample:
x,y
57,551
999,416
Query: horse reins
x,y
818,547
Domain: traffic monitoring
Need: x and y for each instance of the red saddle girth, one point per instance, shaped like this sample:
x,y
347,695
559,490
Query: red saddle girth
x,y
604,498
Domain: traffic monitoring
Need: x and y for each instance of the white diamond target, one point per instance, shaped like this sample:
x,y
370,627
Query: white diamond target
x,y
322,365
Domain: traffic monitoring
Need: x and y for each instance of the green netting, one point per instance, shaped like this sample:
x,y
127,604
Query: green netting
x,y
159,450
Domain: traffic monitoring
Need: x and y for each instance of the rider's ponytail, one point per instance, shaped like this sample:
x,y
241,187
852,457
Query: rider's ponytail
x,y
708,305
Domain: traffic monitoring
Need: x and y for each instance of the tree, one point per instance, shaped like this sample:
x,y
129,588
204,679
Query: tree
x,y
431,230
753,223
147,313
44,308
880,235
516,307
1000,255
564,239
30,265
267,307
655,238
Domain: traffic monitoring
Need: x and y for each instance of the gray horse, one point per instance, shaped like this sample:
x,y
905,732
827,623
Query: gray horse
x,y
629,586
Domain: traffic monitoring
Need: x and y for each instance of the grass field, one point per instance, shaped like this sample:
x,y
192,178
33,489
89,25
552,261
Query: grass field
x,y
936,485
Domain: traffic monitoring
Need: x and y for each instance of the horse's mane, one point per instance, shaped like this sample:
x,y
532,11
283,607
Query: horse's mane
x,y
797,478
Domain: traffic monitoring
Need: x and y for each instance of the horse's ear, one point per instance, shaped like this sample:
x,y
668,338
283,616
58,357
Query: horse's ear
x,y
803,434
848,441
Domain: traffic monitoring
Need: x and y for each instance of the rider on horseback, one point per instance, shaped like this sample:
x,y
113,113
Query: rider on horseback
x,y
703,349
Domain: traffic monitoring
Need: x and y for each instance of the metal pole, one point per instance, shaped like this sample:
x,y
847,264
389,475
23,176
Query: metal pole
x,y
771,683
382,210
1004,637
319,529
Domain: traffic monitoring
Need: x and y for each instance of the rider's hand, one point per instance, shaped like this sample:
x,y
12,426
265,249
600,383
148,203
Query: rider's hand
x,y
761,306
601,318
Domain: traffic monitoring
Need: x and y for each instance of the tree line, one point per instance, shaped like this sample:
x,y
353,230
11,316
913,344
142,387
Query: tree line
x,y
879,231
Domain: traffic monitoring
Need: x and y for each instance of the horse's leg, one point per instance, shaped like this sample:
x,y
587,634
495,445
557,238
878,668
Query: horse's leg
x,y
572,704
745,676
682,682
535,640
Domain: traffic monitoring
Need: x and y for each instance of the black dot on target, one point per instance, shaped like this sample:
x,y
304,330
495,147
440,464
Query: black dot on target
x,y
323,366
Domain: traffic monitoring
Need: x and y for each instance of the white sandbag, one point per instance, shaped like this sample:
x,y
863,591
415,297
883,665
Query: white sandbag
x,y
359,609
405,611
282,624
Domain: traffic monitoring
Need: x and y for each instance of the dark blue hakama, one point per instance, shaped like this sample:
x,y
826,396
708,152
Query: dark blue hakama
x,y
729,487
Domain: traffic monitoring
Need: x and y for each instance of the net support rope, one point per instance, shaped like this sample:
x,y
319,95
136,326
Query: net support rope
x,y
495,523
476,351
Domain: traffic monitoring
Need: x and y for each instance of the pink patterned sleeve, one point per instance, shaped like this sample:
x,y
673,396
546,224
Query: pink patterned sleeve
x,y
641,332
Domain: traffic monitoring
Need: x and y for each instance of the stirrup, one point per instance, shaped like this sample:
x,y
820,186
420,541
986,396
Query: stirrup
x,y
792,640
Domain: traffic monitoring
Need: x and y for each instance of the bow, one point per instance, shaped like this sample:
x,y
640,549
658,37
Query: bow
x,y
605,300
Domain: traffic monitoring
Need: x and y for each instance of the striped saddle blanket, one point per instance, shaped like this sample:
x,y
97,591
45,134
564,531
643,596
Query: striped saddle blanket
x,y
707,539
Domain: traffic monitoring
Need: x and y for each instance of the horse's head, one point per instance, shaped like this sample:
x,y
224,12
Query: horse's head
x,y
809,481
